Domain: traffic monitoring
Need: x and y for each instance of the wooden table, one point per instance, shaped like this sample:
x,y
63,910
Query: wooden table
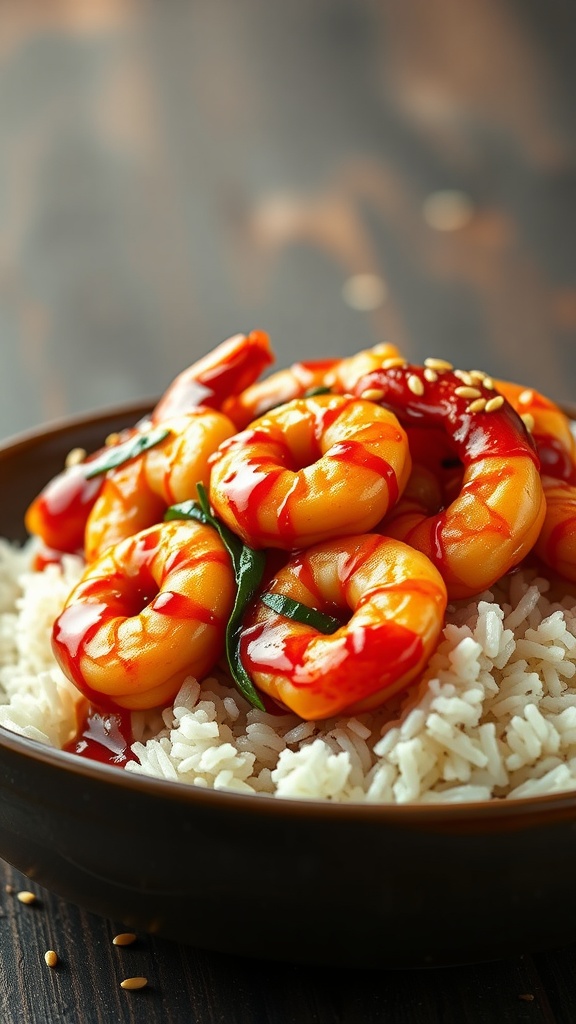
x,y
337,173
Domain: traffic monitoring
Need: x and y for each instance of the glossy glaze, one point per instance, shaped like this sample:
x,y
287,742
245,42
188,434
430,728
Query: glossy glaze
x,y
347,885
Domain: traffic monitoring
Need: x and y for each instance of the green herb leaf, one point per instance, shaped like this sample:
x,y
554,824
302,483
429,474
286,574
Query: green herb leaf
x,y
248,566
300,612
320,390
118,454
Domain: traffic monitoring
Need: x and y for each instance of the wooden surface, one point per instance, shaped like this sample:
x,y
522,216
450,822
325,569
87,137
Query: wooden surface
x,y
174,174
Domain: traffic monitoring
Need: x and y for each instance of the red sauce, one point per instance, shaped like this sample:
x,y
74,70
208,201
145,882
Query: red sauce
x,y
475,436
378,654
58,515
104,736
554,459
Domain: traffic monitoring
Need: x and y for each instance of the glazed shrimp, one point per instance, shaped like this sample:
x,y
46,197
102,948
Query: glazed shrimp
x,y
391,601
136,494
59,513
149,612
293,382
225,371
315,468
344,376
496,518
556,544
549,427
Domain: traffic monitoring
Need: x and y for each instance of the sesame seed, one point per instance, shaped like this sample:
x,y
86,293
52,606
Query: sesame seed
x,y
51,958
124,939
528,420
488,383
430,375
526,397
494,403
393,362
526,997
112,439
26,897
441,365
9,888
132,984
75,457
415,385
373,394
477,405
464,376
467,392
477,374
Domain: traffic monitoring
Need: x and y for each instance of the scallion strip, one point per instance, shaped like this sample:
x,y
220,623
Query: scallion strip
x,y
118,454
300,612
248,566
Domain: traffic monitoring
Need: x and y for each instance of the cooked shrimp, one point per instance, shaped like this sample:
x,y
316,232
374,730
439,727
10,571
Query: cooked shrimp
x,y
315,468
149,612
285,385
549,426
397,599
496,518
136,495
279,388
225,371
59,513
556,544
344,376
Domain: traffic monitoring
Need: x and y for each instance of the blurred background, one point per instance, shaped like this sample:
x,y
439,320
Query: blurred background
x,y
336,172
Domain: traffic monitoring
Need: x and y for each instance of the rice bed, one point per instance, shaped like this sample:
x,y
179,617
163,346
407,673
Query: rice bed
x,y
494,716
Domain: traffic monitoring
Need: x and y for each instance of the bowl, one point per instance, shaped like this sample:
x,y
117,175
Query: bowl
x,y
302,881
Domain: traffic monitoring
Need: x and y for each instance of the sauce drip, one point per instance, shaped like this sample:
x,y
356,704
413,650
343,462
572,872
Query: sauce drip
x,y
104,736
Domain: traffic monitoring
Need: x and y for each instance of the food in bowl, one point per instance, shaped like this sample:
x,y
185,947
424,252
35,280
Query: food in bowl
x,y
338,582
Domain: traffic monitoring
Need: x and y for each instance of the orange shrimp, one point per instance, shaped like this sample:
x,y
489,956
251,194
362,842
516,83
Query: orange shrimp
x,y
496,518
556,544
344,376
337,374
397,600
312,469
59,513
549,427
136,495
210,381
149,612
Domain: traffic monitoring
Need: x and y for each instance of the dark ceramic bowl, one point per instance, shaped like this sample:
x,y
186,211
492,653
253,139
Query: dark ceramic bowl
x,y
350,885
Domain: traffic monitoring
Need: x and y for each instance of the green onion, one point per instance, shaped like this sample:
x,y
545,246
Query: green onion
x,y
118,454
320,390
248,566
300,612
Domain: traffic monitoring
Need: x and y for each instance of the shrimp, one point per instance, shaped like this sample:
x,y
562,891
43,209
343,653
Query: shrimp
x,y
136,495
549,427
225,371
397,599
58,515
556,544
496,518
149,612
344,376
312,469
294,382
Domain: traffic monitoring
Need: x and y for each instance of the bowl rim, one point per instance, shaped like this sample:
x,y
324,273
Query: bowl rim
x,y
556,805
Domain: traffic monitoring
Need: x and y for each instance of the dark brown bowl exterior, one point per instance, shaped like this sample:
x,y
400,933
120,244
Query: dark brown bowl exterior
x,y
349,885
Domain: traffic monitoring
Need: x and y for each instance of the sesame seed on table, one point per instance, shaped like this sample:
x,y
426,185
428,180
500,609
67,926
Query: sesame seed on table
x,y
338,175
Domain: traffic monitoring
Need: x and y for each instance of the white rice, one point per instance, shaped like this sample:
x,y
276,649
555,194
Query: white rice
x,y
494,716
